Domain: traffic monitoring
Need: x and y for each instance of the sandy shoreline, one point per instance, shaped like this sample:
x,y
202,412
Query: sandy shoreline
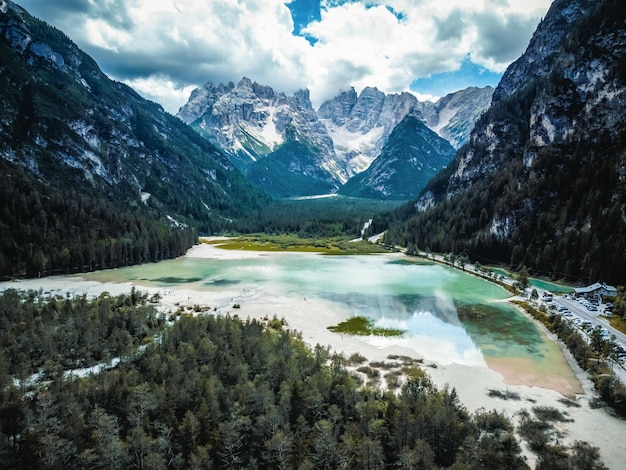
x,y
311,317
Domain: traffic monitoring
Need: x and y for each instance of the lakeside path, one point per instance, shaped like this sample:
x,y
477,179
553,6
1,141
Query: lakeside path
x,y
311,317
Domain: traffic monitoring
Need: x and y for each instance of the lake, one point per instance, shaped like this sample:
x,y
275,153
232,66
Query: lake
x,y
449,316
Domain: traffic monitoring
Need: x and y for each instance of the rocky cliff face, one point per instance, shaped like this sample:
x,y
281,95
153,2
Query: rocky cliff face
x,y
252,122
546,97
453,116
252,119
361,124
541,181
546,43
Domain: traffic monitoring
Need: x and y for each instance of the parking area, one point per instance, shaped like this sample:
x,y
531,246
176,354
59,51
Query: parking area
x,y
586,315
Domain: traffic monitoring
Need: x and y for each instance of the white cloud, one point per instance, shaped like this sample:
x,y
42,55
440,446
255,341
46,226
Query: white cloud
x,y
163,47
368,45
161,90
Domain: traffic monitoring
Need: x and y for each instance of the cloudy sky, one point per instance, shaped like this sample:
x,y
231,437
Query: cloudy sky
x,y
166,48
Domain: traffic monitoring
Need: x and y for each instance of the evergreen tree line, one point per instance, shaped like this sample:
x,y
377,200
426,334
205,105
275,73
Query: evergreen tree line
x,y
78,148
310,218
565,222
218,392
47,230
591,355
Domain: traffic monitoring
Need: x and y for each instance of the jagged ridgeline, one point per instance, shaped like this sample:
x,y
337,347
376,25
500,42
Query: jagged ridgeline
x,y
287,148
542,181
91,174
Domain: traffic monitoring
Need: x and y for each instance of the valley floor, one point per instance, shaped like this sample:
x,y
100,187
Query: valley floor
x,y
311,317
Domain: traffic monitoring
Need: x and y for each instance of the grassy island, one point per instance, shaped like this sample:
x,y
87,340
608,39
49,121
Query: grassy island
x,y
329,245
362,326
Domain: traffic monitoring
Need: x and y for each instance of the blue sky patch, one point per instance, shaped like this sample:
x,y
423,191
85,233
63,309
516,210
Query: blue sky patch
x,y
470,74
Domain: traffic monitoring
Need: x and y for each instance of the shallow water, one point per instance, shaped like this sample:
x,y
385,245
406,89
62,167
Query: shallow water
x,y
448,316
539,283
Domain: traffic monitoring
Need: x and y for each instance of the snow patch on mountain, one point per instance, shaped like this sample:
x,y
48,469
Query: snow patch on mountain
x,y
357,149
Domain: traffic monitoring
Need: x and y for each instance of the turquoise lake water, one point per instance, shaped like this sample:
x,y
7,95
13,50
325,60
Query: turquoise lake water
x,y
540,283
448,315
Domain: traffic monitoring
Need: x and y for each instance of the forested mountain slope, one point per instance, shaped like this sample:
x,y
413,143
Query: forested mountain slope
x,y
542,181
410,158
91,174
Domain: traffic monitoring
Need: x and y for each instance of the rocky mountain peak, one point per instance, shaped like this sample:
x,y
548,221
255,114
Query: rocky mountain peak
x,y
360,124
453,116
252,122
338,109
412,155
305,98
347,133
544,45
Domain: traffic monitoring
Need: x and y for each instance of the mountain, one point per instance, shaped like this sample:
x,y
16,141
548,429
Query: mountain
x,y
414,150
287,148
453,116
541,181
412,155
359,124
276,140
91,174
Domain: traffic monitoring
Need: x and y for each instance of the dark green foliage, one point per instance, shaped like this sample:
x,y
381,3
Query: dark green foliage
x,y
40,331
496,446
619,304
314,218
581,456
608,386
215,392
545,413
59,230
543,438
553,215
291,170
